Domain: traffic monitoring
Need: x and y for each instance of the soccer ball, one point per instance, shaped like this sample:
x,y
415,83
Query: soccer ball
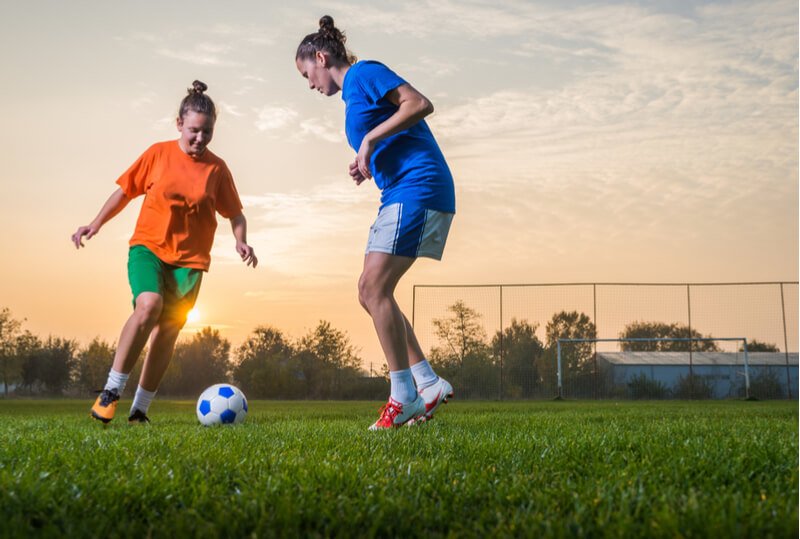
x,y
221,404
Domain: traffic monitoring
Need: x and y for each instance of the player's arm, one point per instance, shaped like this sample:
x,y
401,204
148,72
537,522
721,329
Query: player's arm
x,y
412,107
115,204
239,227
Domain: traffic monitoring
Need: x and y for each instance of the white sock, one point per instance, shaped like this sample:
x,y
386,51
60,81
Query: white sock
x,y
116,380
142,400
423,374
403,390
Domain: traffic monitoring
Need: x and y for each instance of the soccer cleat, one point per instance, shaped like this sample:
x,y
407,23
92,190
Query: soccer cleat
x,y
105,405
137,416
435,394
395,414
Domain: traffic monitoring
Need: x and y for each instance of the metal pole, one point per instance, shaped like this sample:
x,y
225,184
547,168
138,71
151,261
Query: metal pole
x,y
558,344
746,372
413,304
691,373
786,348
501,342
594,356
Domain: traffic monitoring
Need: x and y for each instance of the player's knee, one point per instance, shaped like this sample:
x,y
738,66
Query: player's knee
x,y
362,293
148,309
371,292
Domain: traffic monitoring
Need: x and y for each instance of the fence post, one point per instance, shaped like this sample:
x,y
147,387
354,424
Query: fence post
x,y
501,342
594,356
558,345
691,372
786,348
413,305
746,372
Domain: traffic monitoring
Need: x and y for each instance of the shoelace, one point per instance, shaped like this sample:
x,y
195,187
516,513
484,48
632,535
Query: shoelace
x,y
107,396
388,411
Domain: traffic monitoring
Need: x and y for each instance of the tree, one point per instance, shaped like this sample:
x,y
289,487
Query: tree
x,y
758,346
521,349
47,366
459,335
661,330
10,364
93,363
263,367
328,361
203,361
462,356
575,357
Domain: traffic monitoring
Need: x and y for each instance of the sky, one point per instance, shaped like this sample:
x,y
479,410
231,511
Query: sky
x,y
630,141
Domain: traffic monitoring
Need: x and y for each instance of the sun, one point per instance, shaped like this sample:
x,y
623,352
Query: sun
x,y
193,316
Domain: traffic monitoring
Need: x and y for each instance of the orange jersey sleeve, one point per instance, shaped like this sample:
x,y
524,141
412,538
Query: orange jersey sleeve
x,y
182,195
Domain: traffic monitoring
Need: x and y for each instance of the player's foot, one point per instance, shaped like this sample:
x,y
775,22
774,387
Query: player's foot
x,y
105,405
395,414
137,416
435,394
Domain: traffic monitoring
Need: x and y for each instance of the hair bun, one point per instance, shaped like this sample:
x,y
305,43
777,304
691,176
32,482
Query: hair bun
x,y
198,87
326,22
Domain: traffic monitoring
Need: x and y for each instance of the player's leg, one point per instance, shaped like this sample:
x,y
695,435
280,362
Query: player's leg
x,y
159,354
146,281
181,288
376,288
434,389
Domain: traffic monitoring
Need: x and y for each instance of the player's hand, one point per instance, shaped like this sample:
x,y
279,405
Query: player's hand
x,y
355,173
363,158
88,231
247,253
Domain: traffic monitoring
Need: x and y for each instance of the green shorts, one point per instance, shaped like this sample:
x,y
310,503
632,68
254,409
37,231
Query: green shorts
x,y
177,286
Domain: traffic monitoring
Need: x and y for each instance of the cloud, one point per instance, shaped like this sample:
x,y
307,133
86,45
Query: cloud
x,y
321,128
274,117
294,229
233,110
204,54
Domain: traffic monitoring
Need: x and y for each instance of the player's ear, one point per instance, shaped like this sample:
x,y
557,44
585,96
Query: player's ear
x,y
179,123
322,58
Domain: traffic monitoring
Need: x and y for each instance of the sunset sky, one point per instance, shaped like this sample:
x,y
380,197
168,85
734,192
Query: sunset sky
x,y
644,141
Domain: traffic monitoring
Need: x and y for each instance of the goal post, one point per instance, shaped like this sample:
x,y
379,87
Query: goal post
x,y
594,341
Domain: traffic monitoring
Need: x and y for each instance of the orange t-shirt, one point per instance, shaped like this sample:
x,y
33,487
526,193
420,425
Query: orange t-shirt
x,y
182,193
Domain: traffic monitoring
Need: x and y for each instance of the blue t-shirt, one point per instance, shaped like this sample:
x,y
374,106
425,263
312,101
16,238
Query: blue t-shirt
x,y
407,167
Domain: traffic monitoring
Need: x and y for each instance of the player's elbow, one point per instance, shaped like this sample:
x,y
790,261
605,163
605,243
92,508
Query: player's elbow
x,y
426,107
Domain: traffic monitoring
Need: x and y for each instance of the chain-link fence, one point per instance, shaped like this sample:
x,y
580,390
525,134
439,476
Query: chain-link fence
x,y
500,341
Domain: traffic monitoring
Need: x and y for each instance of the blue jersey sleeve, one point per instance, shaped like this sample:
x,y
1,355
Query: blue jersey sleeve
x,y
377,80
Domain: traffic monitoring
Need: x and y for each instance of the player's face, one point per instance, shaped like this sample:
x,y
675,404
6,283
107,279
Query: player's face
x,y
316,72
196,131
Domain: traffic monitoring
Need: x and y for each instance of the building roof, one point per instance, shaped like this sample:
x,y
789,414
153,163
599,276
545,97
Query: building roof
x,y
776,359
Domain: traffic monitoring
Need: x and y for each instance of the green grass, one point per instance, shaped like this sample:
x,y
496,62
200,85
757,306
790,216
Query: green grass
x,y
545,469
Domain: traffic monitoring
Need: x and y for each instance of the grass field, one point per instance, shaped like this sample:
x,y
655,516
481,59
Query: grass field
x,y
545,469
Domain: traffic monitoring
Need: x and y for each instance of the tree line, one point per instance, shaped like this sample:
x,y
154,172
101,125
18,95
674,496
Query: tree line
x,y
323,364
515,363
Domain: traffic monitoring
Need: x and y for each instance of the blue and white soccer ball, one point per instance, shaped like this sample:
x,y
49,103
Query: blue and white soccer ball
x,y
221,404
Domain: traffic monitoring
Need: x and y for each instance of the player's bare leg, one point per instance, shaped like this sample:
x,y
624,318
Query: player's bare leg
x,y
131,341
376,289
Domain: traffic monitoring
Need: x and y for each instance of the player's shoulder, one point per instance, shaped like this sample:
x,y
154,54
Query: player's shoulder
x,y
215,160
369,67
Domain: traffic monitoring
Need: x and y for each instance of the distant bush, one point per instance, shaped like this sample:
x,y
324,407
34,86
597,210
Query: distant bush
x,y
693,387
642,387
766,384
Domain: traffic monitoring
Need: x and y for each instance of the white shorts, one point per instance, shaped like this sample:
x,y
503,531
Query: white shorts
x,y
405,230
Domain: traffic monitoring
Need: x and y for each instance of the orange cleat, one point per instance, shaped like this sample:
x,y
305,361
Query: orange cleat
x,y
105,405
